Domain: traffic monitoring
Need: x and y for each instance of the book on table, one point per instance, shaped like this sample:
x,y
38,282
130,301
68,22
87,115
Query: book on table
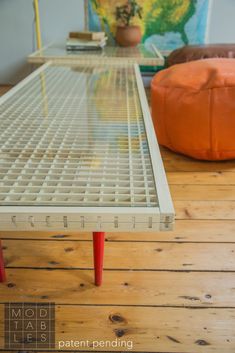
x,y
74,44
87,35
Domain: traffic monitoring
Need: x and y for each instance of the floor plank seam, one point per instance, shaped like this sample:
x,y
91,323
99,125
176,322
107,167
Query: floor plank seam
x,y
143,306
126,241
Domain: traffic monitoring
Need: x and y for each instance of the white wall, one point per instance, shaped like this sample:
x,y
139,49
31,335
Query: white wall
x,y
17,34
222,24
58,17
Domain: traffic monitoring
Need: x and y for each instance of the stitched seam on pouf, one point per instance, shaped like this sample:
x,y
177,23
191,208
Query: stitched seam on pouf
x,y
211,125
200,150
165,117
197,90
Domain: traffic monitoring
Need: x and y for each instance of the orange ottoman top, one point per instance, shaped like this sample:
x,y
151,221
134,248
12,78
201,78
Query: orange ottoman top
x,y
193,108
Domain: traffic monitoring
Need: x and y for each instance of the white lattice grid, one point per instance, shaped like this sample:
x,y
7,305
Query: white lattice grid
x,y
76,137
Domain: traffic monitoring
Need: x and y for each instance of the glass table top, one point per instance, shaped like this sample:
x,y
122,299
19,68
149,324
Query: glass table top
x,y
76,136
146,55
78,151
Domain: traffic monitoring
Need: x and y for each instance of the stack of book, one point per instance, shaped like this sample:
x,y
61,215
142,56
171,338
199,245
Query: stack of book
x,y
86,41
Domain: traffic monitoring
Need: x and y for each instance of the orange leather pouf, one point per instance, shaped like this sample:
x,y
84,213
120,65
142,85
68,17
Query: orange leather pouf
x,y
193,108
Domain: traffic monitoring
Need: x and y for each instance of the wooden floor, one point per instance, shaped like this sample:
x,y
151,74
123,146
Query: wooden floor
x,y
165,292
4,89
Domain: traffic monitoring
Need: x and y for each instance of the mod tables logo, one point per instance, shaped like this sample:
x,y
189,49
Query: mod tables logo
x,y
29,325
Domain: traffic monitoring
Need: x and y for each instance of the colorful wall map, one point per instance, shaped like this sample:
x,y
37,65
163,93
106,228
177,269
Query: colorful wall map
x,y
168,24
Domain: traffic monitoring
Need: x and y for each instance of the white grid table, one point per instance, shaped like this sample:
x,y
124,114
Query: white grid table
x,y
142,55
78,152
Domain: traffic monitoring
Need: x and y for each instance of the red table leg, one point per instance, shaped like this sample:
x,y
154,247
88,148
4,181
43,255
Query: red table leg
x,y
98,251
2,267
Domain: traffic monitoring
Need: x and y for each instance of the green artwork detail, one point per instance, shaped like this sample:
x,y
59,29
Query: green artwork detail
x,y
169,19
166,23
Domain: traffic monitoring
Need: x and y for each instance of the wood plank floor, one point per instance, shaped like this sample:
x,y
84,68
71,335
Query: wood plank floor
x,y
165,292
4,89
